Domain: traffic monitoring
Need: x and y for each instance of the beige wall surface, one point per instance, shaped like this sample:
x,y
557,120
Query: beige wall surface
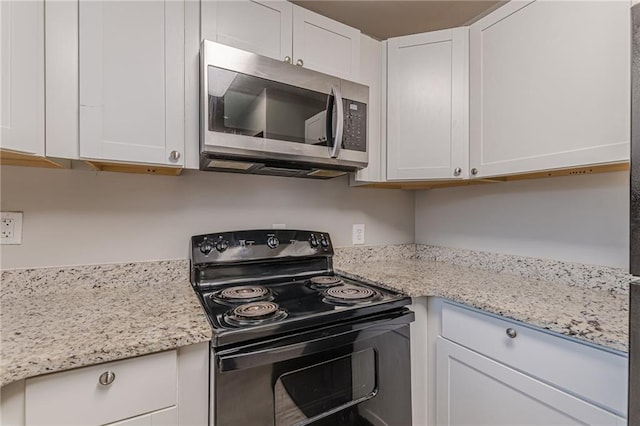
x,y
581,219
74,217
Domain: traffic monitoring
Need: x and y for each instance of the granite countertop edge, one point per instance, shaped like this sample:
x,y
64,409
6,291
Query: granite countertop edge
x,y
58,319
586,331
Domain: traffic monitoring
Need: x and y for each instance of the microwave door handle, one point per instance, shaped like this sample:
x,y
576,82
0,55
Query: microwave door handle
x,y
335,141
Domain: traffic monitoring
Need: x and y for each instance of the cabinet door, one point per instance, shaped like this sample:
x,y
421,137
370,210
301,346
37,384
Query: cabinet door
x,y
475,390
549,86
427,106
325,45
168,417
373,60
258,26
22,76
132,81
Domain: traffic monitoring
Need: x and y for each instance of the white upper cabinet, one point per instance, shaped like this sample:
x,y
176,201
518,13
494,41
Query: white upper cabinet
x,y
427,115
549,86
262,27
132,81
372,65
22,76
325,45
284,31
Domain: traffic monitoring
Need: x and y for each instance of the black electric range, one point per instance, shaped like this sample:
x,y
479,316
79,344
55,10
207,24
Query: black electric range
x,y
263,283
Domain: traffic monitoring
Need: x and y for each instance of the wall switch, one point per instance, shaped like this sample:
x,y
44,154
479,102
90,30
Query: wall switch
x,y
279,226
10,227
358,233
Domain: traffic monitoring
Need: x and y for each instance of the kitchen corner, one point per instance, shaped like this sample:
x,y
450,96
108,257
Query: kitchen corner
x,y
586,302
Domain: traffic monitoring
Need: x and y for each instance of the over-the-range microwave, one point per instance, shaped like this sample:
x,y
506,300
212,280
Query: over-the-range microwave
x,y
263,116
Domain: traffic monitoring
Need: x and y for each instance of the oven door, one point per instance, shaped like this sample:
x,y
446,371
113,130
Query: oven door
x,y
356,373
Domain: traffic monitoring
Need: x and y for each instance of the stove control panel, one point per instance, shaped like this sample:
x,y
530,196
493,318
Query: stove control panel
x,y
240,246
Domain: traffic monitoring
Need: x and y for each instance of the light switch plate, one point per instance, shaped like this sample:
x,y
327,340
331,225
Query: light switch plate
x,y
358,234
10,227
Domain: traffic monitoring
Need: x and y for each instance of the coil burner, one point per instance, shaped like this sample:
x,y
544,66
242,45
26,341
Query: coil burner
x,y
350,295
325,281
242,294
255,313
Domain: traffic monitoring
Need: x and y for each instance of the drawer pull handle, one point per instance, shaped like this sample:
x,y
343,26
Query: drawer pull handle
x,y
511,333
107,378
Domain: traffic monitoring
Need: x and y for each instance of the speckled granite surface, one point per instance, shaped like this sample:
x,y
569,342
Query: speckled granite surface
x,y
53,319
595,314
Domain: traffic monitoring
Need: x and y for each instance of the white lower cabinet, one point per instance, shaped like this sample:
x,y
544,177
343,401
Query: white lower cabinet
x,y
86,396
161,389
486,370
475,390
168,417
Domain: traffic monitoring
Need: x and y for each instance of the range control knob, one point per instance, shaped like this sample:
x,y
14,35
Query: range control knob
x,y
313,241
222,245
206,247
324,242
273,242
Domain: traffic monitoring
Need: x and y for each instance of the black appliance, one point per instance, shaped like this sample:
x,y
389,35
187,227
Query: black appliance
x,y
293,342
634,264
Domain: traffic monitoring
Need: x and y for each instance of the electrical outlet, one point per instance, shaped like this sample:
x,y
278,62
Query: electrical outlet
x,y
358,233
10,227
279,226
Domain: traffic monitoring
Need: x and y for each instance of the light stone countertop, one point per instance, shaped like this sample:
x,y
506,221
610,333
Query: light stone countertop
x,y
595,315
54,319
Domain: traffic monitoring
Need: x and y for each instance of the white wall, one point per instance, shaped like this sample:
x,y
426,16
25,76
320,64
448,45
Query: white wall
x,y
578,219
74,217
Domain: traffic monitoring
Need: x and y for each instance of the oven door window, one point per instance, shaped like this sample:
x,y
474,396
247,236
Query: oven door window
x,y
246,105
305,395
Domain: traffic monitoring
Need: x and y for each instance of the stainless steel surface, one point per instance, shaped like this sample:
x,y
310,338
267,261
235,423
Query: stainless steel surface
x,y
107,378
457,171
511,333
174,156
337,139
474,171
300,62
238,147
633,417
265,149
287,59
634,252
634,354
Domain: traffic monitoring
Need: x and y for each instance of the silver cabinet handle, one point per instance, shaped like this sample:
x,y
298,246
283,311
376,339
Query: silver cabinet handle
x,y
511,333
287,59
107,378
457,171
299,62
474,171
174,156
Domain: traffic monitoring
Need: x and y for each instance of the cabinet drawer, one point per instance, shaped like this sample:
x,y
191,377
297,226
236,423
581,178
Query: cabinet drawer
x,y
596,375
76,397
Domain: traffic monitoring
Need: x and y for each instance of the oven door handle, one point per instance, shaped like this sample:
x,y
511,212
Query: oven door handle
x,y
310,343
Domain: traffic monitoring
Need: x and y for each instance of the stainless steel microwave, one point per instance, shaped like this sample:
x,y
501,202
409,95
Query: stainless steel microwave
x,y
263,116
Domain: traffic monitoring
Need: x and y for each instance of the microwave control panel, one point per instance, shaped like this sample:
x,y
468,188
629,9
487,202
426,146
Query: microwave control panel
x,y
355,126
